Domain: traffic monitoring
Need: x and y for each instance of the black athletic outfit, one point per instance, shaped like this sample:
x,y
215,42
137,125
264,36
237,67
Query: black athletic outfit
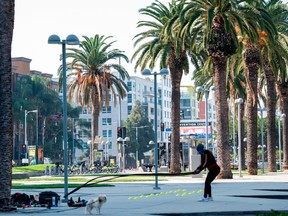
x,y
208,161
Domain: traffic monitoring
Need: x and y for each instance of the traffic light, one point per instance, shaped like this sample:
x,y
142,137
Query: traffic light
x,y
23,148
162,126
123,132
119,132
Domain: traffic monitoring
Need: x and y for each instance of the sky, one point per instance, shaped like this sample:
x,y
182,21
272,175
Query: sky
x,y
36,20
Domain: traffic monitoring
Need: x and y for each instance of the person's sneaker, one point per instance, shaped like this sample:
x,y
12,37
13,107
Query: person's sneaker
x,y
210,198
203,199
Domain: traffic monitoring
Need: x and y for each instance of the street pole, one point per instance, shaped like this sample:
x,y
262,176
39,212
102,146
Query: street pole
x,y
147,72
25,129
70,40
280,117
206,92
239,101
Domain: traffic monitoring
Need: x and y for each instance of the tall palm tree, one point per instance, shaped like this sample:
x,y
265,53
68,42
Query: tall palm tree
x,y
273,61
6,122
282,79
93,79
251,59
159,44
213,24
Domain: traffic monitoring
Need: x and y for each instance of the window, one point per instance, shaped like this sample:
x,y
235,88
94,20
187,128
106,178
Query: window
x,y
129,96
129,109
106,121
104,133
129,85
108,110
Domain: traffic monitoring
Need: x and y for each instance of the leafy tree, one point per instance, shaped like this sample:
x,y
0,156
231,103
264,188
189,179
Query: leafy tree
x,y
137,122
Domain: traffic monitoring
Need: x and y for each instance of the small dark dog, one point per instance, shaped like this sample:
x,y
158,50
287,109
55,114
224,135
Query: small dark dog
x,y
95,203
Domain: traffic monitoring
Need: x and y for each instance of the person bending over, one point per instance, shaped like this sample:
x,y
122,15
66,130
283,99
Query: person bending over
x,y
207,161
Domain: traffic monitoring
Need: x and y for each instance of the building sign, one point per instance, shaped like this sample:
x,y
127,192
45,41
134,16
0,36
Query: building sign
x,y
195,129
184,124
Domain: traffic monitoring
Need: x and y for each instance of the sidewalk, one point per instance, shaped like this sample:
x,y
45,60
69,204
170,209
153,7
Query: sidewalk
x,y
247,195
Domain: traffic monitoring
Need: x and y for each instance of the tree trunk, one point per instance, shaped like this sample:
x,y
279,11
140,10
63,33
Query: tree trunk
x,y
6,122
176,75
252,64
271,110
283,92
222,127
94,129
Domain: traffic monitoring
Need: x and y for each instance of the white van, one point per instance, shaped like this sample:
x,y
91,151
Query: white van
x,y
47,160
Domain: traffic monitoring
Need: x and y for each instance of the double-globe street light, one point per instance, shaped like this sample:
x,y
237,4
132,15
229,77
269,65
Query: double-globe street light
x,y
126,139
147,72
206,91
280,118
70,40
239,101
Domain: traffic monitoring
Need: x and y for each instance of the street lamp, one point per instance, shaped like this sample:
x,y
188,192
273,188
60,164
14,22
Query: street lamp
x,y
25,119
136,128
239,101
280,117
126,139
206,91
262,136
147,72
105,143
70,40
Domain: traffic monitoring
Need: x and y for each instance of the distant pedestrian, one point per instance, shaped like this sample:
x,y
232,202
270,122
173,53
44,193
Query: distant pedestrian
x,y
207,161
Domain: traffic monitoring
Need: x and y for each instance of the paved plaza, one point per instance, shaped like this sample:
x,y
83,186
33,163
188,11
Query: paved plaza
x,y
247,195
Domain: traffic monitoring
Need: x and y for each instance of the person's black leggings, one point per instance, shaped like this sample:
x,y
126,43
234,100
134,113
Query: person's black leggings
x,y
210,177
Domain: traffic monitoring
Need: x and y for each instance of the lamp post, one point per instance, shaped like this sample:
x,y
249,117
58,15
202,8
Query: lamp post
x,y
280,117
126,139
136,128
25,120
239,101
147,72
262,136
70,40
206,91
106,149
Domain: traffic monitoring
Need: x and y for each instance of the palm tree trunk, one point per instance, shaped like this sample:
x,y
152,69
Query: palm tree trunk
x,y
94,129
222,113
283,93
271,110
175,165
252,64
6,121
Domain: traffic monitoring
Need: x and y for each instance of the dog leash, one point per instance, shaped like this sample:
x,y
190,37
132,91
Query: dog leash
x,y
115,176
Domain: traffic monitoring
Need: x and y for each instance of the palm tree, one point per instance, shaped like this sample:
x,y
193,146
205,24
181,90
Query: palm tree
x,y
212,25
160,45
95,79
273,60
6,122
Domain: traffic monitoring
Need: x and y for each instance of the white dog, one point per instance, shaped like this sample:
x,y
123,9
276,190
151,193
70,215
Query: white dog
x,y
95,203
